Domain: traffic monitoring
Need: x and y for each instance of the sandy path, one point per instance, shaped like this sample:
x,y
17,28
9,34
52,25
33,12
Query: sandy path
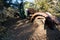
x,y
21,30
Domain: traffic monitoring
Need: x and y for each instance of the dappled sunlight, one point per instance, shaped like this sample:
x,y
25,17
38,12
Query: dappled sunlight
x,y
20,30
29,20
40,32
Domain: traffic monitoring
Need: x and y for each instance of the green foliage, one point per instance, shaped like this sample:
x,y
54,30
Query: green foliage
x,y
42,5
48,5
28,5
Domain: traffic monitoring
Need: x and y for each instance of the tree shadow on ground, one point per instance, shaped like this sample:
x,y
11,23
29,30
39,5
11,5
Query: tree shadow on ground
x,y
53,34
5,26
25,30
14,32
52,31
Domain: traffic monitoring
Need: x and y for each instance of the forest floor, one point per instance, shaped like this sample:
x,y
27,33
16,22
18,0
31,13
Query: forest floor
x,y
16,29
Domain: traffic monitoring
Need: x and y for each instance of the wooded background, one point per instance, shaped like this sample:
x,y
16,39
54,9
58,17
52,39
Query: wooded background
x,y
52,6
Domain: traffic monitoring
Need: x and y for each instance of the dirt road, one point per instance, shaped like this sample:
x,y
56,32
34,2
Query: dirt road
x,y
23,30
